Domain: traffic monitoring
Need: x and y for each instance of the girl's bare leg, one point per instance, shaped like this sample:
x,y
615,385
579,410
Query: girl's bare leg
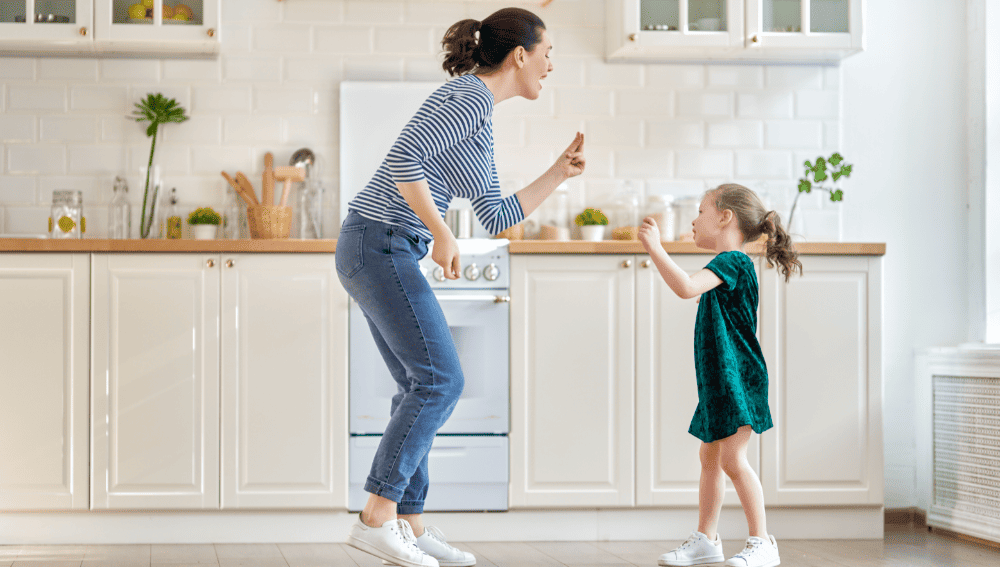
x,y
733,458
711,489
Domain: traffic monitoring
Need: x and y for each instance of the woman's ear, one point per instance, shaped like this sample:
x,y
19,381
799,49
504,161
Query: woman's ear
x,y
519,56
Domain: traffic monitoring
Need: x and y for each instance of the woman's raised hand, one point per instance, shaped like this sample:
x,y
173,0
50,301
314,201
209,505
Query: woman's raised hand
x,y
571,162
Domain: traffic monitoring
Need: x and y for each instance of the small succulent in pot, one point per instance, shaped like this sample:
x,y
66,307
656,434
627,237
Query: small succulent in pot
x,y
204,215
591,217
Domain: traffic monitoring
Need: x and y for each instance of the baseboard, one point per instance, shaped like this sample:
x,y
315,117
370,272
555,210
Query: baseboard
x,y
971,539
902,517
95,528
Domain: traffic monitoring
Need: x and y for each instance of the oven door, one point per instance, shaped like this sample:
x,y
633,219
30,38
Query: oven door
x,y
479,322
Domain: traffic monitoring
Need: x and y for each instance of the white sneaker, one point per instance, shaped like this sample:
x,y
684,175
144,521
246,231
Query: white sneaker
x,y
759,552
432,542
393,542
697,550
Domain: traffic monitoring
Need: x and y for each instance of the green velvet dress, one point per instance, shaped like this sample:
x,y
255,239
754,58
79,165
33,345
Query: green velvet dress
x,y
732,376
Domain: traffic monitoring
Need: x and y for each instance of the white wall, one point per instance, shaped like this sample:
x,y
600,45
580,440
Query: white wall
x,y
896,111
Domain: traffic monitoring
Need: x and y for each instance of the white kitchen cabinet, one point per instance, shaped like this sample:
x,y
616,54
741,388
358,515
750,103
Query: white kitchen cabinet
x,y
155,386
668,467
284,382
822,339
105,27
737,30
167,329
572,387
44,333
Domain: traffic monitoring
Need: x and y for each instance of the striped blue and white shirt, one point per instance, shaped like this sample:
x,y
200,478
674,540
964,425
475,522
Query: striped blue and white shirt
x,y
449,142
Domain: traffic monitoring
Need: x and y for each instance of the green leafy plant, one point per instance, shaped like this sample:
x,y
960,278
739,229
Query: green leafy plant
x,y
590,217
819,175
156,109
204,215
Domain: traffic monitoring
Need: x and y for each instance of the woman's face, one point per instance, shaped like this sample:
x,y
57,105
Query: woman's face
x,y
536,66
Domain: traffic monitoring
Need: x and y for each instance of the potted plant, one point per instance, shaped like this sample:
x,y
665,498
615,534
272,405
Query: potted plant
x,y
204,221
592,223
819,175
157,109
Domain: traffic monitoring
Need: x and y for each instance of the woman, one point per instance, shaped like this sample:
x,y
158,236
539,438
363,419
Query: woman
x,y
445,151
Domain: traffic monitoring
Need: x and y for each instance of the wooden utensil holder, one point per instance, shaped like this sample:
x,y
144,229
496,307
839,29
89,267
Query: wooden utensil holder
x,y
269,221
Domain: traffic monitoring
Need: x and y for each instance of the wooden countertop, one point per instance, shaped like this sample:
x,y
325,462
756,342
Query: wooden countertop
x,y
330,245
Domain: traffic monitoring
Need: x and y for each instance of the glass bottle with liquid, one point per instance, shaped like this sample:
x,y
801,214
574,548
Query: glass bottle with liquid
x,y
119,211
173,224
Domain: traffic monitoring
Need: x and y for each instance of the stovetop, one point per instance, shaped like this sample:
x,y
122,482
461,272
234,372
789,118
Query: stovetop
x,y
485,265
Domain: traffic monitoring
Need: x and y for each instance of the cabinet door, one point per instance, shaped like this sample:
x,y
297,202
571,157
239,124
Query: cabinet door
x,y
821,337
117,30
44,333
672,29
66,21
284,382
804,24
155,389
572,381
668,468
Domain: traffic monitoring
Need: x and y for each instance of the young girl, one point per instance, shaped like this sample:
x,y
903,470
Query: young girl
x,y
732,376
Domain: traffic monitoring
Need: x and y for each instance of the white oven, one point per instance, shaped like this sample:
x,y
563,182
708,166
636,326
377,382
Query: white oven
x,y
469,457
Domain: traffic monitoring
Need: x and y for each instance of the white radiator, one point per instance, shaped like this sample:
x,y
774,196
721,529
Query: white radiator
x,y
966,455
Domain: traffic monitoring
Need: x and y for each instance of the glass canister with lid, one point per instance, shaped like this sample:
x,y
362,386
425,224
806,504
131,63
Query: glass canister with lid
x,y
661,209
687,211
66,219
625,218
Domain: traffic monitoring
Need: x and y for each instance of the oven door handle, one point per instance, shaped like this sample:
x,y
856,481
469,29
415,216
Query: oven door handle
x,y
490,298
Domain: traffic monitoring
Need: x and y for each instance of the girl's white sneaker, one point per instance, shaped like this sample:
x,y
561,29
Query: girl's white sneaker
x,y
759,552
433,543
393,542
697,550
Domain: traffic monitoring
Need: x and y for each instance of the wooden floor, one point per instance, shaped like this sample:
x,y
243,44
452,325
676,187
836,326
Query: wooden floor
x,y
901,547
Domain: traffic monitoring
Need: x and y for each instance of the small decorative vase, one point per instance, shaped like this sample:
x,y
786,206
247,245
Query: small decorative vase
x,y
204,231
592,232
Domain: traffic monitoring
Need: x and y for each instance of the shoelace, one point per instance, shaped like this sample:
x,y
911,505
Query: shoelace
x,y
439,536
751,545
406,533
690,540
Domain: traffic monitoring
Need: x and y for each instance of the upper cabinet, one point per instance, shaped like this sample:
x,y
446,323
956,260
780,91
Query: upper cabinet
x,y
734,30
153,27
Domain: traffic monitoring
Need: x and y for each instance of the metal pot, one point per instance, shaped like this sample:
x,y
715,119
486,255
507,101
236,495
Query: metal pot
x,y
460,222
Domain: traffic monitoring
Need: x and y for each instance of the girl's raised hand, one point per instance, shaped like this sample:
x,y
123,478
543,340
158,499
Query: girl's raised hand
x,y
572,162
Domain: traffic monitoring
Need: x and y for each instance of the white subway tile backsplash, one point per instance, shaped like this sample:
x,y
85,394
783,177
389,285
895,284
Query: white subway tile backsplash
x,y
525,162
793,134
817,104
600,74
344,40
249,130
406,40
236,37
373,68
130,70
373,12
67,129
286,38
831,134
58,69
735,134
704,104
313,70
234,99
644,163
742,77
258,69
326,102
282,101
107,159
27,220
831,78
618,132
313,11
36,159
99,98
591,102
20,97
644,102
213,159
587,41
17,128
302,131
91,188
554,134
764,164
17,68
426,68
17,190
543,106
704,163
199,129
566,72
764,105
794,77
250,12
204,72
172,159
112,128
675,133
681,77
509,131
435,13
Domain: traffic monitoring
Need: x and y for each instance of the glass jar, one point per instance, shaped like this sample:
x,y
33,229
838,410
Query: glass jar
x,y
687,211
624,219
66,219
661,209
119,211
231,216
308,215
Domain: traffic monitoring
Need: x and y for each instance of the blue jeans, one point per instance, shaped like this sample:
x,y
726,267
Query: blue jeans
x,y
377,264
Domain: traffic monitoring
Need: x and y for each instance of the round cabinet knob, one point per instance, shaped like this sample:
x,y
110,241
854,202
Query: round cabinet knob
x,y
472,272
755,39
230,263
633,37
210,263
211,32
627,264
439,274
83,31
647,263
491,272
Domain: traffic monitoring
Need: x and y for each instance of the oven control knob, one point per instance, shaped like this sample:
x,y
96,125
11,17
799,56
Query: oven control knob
x,y
439,274
472,272
491,272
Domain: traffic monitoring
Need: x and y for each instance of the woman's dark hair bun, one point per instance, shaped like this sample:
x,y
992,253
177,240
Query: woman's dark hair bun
x,y
499,34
